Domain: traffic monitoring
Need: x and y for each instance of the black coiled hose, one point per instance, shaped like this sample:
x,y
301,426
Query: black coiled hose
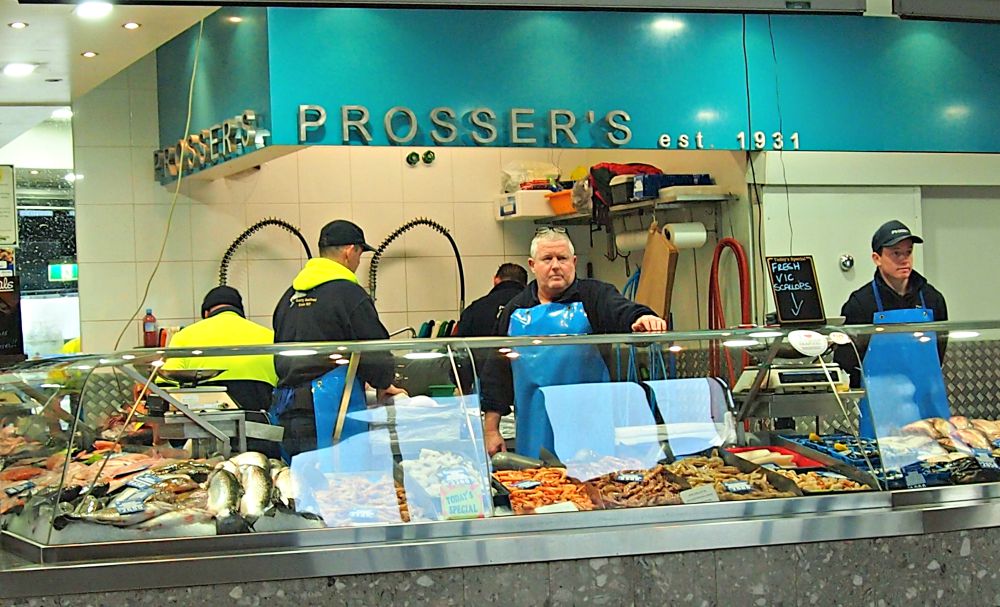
x,y
406,227
247,233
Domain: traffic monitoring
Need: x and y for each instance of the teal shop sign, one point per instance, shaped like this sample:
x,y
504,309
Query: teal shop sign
x,y
596,80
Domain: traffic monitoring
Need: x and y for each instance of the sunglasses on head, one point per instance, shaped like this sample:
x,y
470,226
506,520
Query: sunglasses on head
x,y
546,229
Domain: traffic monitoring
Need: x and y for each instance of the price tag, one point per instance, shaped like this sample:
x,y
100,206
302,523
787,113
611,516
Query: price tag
x,y
985,459
915,480
770,466
737,486
144,481
526,484
629,478
808,343
702,494
362,515
130,507
558,507
829,474
460,494
18,489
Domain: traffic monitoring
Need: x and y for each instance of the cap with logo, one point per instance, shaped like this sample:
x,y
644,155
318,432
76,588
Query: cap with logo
x,y
892,233
342,232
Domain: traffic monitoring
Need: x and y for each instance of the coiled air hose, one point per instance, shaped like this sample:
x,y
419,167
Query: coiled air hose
x,y
716,315
406,227
247,233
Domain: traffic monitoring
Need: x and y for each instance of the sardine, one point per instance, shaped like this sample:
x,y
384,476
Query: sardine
x,y
257,488
224,493
252,458
177,518
284,487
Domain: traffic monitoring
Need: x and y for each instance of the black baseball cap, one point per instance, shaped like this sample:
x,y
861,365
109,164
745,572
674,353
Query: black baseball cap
x,y
891,233
341,233
222,296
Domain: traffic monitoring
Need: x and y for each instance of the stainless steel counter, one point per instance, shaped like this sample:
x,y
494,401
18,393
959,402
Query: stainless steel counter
x,y
554,537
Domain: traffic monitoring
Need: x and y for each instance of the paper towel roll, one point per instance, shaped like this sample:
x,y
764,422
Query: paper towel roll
x,y
631,241
686,235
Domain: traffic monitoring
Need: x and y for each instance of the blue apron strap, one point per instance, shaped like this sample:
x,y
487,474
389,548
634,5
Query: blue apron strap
x,y
923,304
878,297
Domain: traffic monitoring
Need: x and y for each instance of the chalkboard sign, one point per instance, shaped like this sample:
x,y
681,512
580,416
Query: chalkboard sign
x,y
796,290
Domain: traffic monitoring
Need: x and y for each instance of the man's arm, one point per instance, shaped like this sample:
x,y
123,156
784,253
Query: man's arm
x,y
376,368
496,380
618,314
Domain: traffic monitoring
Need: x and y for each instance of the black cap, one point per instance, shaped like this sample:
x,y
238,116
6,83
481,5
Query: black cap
x,y
342,232
891,233
222,296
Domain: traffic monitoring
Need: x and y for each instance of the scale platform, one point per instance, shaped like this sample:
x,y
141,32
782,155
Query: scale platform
x,y
794,379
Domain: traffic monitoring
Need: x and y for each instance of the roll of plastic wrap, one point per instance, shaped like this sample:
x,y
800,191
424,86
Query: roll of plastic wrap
x,y
631,241
686,235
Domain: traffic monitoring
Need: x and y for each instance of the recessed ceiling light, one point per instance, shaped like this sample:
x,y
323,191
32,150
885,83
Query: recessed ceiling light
x,y
63,113
17,25
33,171
19,70
131,25
93,10
235,19
88,54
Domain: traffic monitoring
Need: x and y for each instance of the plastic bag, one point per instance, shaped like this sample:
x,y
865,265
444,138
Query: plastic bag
x,y
520,171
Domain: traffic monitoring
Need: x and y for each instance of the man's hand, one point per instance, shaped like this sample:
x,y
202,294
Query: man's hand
x,y
649,324
494,442
491,433
384,394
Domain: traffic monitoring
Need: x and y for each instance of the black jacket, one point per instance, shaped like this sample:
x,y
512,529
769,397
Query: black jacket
x,y
860,308
339,310
607,310
480,318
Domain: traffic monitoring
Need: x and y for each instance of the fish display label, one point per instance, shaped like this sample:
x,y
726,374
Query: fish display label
x,y
796,290
363,515
130,507
912,477
144,481
985,459
738,487
19,489
702,494
629,478
829,474
460,495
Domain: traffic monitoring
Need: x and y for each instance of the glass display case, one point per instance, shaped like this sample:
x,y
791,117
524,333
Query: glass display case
x,y
98,454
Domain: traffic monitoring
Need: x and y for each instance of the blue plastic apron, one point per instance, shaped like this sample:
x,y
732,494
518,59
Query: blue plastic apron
x,y
549,366
327,390
902,374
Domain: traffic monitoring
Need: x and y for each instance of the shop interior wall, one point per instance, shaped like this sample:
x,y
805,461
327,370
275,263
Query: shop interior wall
x,y
49,145
960,229
833,202
123,215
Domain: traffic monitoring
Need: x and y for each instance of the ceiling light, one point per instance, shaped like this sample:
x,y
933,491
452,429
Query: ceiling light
x,y
33,171
71,177
88,54
131,25
302,352
17,25
741,343
675,349
63,113
422,355
19,70
963,334
668,25
93,10
235,19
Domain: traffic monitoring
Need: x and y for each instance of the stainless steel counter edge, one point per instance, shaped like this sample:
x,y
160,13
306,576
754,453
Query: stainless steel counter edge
x,y
569,536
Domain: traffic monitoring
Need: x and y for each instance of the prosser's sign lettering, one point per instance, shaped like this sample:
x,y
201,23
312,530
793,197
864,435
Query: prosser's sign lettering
x,y
796,290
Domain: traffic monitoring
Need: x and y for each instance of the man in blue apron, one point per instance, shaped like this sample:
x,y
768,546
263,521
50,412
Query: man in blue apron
x,y
555,303
326,303
897,294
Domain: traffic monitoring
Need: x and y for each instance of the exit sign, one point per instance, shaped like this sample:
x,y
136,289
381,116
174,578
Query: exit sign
x,y
63,272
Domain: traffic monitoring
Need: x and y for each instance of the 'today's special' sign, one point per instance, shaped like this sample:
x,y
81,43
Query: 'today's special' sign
x,y
796,290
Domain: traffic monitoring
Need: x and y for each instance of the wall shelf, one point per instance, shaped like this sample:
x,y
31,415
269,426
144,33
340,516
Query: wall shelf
x,y
681,201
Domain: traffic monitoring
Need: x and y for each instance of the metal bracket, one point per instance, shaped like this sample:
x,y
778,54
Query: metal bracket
x,y
203,424
758,381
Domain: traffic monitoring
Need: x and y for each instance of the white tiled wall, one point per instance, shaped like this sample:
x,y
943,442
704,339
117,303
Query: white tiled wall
x,y
123,216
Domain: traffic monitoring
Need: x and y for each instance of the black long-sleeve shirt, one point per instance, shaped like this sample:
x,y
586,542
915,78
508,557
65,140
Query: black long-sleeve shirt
x,y
607,310
860,309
